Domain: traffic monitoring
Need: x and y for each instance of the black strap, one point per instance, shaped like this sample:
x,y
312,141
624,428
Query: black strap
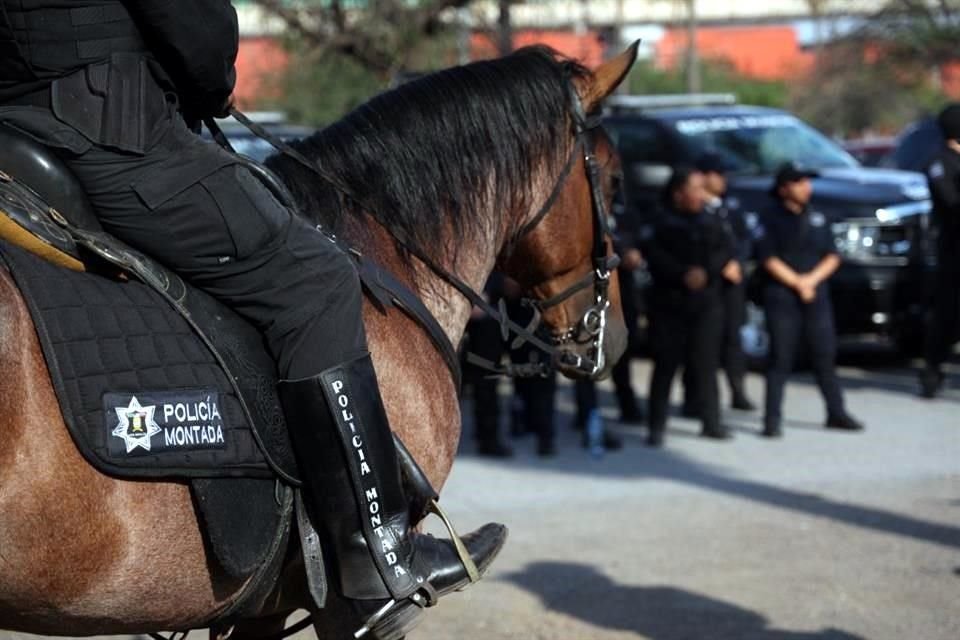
x,y
386,290
589,280
442,273
218,135
557,189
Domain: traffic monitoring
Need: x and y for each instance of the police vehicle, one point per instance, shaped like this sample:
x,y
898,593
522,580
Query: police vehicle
x,y
246,143
879,217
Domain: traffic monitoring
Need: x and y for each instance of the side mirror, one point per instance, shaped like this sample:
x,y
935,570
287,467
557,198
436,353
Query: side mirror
x,y
649,176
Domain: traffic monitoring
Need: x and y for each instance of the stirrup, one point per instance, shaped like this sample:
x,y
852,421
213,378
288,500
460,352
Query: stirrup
x,y
473,574
426,596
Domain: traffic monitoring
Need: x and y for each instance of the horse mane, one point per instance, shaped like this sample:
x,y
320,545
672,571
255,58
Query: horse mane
x,y
421,158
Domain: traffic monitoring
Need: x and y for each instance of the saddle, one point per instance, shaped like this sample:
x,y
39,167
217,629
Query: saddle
x,y
157,380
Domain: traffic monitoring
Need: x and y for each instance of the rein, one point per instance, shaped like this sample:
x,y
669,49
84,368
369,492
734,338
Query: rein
x,y
593,323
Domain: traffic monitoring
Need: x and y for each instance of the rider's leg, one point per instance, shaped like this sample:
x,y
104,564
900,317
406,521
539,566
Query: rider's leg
x,y
190,205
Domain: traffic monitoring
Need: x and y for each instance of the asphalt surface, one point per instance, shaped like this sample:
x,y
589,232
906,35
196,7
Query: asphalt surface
x,y
820,535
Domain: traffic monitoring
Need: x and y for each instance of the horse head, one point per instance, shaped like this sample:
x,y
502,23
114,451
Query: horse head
x,y
562,253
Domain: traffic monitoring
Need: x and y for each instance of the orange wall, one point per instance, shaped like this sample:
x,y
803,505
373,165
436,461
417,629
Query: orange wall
x,y
950,80
260,63
587,48
769,52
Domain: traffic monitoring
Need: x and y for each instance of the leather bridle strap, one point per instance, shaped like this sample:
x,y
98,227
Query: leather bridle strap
x,y
552,198
556,355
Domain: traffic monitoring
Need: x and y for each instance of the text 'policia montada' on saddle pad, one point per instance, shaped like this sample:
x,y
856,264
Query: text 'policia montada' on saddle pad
x,y
155,422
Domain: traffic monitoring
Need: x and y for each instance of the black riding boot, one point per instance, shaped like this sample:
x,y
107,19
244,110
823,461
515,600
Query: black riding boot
x,y
352,480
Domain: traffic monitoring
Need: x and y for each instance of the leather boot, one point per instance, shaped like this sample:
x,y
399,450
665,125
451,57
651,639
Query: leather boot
x,y
353,485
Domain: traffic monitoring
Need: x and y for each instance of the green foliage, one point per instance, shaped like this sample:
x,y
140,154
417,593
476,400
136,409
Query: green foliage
x,y
317,90
718,76
883,75
850,94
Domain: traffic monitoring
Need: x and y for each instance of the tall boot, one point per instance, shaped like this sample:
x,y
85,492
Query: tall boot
x,y
353,485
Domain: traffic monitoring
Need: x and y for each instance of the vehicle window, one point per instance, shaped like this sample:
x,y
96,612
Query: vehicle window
x,y
760,144
917,147
640,141
254,148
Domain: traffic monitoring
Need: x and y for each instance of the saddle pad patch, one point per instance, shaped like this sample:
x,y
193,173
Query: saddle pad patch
x,y
151,422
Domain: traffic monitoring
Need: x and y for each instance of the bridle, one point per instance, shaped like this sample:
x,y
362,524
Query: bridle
x,y
592,325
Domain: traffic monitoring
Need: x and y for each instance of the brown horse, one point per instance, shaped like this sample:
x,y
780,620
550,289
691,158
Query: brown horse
x,y
82,553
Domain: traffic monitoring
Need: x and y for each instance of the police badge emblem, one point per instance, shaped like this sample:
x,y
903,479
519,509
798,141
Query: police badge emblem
x,y
136,425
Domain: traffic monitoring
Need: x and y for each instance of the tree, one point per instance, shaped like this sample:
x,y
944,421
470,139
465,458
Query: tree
x,y
717,76
917,31
378,35
343,52
882,74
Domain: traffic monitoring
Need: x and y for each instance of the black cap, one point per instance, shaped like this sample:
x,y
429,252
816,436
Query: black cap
x,y
791,172
711,162
949,121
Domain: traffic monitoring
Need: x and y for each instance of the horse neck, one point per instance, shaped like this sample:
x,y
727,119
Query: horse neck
x,y
474,262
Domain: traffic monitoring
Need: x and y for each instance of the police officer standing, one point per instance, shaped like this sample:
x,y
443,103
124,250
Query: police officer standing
x,y
797,252
733,292
687,254
943,175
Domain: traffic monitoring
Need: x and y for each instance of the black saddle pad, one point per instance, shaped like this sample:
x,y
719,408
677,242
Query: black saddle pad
x,y
145,397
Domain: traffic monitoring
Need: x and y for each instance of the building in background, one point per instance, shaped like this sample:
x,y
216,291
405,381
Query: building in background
x,y
768,41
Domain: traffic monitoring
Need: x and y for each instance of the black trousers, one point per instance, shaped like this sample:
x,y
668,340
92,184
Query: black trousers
x,y
732,358
192,206
485,341
943,319
688,338
537,397
792,326
585,394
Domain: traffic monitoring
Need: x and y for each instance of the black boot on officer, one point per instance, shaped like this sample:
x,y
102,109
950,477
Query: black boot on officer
x,y
346,447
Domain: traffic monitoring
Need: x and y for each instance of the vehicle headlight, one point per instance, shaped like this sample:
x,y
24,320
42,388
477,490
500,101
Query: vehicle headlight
x,y
865,240
916,190
896,212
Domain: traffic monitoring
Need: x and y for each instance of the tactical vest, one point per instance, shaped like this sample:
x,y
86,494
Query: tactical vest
x,y
86,61
47,39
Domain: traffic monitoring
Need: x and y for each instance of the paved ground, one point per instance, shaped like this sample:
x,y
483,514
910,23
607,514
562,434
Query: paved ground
x,y
822,535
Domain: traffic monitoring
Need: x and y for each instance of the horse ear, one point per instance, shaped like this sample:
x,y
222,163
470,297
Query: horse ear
x,y
608,76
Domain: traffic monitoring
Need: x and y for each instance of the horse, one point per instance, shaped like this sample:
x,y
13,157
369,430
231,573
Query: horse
x,y
476,167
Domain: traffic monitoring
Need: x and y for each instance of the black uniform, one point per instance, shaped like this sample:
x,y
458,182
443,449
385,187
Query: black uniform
x,y
79,77
733,359
111,85
533,409
685,325
943,176
485,340
627,237
801,241
734,300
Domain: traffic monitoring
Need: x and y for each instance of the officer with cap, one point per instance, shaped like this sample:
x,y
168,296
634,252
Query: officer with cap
x,y
686,252
796,250
943,176
734,295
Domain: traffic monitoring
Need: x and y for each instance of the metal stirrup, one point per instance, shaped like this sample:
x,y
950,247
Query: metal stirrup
x,y
472,572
